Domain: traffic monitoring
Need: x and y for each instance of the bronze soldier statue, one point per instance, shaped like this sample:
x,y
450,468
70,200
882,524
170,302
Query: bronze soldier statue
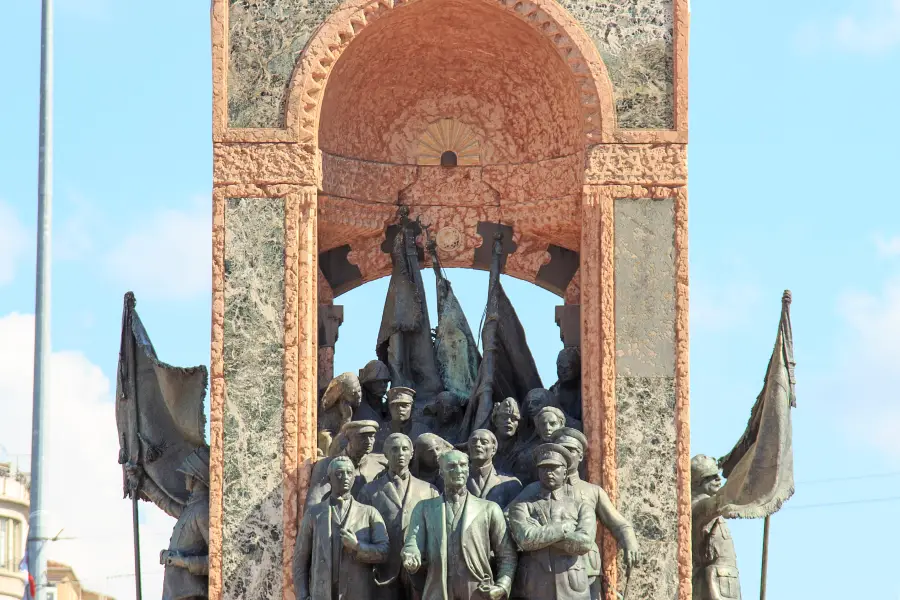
x,y
360,442
596,498
187,559
338,542
340,400
484,480
715,575
400,405
394,495
374,378
567,389
553,531
454,537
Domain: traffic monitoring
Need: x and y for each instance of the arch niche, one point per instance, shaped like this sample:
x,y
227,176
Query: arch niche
x,y
515,90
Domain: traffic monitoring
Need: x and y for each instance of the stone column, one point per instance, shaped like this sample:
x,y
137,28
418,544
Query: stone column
x,y
264,385
330,319
598,353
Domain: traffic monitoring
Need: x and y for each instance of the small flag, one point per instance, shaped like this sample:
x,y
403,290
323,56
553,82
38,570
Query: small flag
x,y
30,590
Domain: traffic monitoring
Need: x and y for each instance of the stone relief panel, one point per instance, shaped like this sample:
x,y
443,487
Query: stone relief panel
x,y
634,38
254,376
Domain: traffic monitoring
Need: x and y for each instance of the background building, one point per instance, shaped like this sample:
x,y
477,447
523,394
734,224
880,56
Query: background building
x,y
14,501
66,586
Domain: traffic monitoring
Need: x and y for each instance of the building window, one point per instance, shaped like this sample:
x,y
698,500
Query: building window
x,y
51,592
10,544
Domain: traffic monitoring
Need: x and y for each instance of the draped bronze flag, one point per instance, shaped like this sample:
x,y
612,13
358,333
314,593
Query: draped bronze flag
x,y
159,408
760,468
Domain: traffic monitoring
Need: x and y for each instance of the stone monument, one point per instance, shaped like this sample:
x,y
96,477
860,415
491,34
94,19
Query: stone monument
x,y
555,131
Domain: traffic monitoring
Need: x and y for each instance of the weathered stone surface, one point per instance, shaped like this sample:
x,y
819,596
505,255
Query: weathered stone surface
x,y
254,374
645,388
636,163
634,38
645,464
266,38
645,287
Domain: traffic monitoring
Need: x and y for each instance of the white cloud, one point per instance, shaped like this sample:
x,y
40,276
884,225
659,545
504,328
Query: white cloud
x,y
723,306
887,247
871,364
13,242
875,32
167,256
84,495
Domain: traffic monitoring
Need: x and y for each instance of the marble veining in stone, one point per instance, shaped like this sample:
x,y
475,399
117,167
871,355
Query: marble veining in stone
x,y
645,466
634,38
253,354
266,37
644,243
645,286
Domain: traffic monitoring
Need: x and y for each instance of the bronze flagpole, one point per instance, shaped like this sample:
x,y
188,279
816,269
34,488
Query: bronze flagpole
x,y
765,560
130,349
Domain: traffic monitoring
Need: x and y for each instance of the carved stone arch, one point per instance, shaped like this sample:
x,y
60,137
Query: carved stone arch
x,y
546,17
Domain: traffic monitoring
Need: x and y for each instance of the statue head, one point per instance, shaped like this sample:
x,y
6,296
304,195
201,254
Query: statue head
x,y
375,377
553,462
447,407
360,437
505,417
344,389
535,400
705,477
548,420
341,474
398,449
400,403
568,364
429,448
482,446
454,469
195,469
572,440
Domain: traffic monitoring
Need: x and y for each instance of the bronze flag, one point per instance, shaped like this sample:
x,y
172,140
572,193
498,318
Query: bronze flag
x,y
760,468
159,408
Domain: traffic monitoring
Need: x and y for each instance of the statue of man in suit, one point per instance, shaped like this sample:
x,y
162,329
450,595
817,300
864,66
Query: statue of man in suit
x,y
554,532
368,466
596,498
338,542
484,480
454,535
394,495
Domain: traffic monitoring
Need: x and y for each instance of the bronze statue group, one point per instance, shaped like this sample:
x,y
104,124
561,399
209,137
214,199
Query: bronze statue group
x,y
395,510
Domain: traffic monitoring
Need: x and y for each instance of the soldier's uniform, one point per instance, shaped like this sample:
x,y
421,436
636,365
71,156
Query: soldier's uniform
x,y
715,574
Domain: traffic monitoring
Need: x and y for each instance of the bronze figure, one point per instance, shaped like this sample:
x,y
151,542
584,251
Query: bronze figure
x,y
360,437
340,400
428,448
338,542
484,480
443,415
453,537
394,495
595,497
374,379
187,559
715,572
567,389
553,531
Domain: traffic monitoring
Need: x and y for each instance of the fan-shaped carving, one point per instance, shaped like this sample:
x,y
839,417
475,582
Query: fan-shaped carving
x,y
449,135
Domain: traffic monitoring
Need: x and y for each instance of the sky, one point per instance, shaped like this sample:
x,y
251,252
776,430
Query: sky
x,y
793,133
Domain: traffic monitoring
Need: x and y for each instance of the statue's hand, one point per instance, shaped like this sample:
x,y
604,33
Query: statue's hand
x,y
632,557
567,527
411,561
133,474
349,539
496,592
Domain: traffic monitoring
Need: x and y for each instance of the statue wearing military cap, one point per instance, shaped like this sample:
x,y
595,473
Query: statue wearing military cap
x,y
554,532
605,512
400,405
360,437
374,378
187,559
715,572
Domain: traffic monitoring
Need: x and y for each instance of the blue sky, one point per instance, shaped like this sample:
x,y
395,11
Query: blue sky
x,y
793,146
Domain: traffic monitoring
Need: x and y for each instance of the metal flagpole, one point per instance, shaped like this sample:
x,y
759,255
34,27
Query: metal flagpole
x,y
765,561
37,538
